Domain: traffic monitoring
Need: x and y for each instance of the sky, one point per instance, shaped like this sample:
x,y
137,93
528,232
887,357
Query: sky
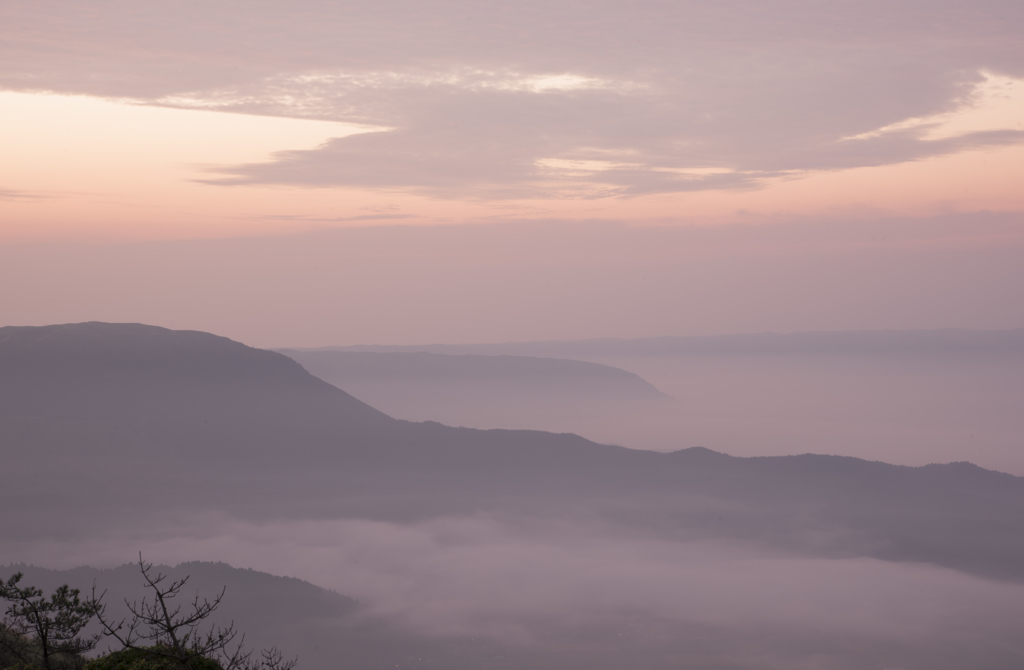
x,y
315,173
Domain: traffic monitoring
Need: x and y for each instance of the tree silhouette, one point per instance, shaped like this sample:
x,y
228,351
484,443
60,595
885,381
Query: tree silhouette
x,y
46,632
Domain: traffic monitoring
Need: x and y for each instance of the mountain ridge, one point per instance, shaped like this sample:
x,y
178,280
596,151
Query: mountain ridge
x,y
890,341
438,369
267,450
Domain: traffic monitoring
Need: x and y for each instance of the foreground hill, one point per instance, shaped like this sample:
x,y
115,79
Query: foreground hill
x,y
101,371
324,629
121,423
263,605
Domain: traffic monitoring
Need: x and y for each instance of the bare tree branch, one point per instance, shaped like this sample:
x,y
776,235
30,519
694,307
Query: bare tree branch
x,y
159,628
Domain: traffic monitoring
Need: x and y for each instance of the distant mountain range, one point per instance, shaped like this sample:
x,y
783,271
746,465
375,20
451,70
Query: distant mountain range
x,y
118,422
525,376
484,391
863,342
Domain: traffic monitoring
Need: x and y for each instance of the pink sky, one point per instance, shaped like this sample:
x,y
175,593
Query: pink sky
x,y
798,129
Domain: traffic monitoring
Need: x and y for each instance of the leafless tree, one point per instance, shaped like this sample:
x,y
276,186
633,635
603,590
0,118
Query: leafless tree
x,y
160,628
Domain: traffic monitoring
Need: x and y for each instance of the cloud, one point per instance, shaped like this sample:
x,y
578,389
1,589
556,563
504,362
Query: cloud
x,y
487,101
995,103
11,194
361,217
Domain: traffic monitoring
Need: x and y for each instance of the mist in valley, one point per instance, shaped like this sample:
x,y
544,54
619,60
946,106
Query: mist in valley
x,y
456,547
458,592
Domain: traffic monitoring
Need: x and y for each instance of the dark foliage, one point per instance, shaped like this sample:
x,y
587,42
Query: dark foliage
x,y
156,657
8,659
46,632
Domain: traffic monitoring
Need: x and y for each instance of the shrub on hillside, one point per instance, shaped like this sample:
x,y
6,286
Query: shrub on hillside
x,y
150,658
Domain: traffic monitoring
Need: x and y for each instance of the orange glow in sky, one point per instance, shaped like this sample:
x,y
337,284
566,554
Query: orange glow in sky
x,y
85,167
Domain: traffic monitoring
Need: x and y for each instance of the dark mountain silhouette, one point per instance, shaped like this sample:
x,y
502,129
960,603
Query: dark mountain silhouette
x,y
118,371
118,423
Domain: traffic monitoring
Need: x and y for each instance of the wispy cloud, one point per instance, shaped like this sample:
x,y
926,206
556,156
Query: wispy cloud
x,y
995,104
10,194
494,102
361,217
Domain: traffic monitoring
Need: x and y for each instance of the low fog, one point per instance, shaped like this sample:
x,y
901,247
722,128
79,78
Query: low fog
x,y
564,594
462,548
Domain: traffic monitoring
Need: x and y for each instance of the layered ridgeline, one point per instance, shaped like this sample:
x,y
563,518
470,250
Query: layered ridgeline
x,y
942,342
894,396
109,426
482,391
